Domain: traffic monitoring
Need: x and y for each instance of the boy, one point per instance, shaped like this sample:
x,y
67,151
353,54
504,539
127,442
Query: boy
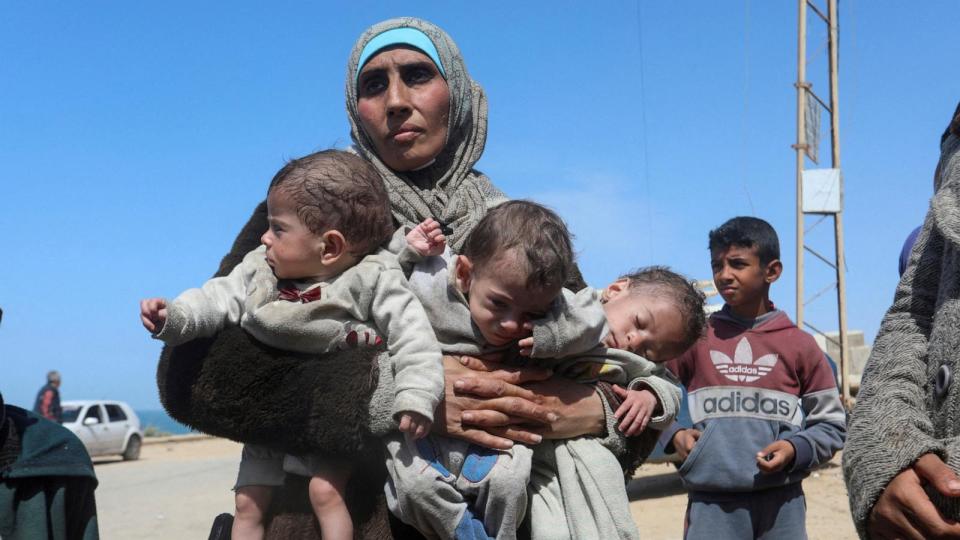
x,y
505,285
762,396
317,284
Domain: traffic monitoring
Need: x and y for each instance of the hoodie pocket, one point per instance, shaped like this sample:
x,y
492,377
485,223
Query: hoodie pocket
x,y
689,463
724,458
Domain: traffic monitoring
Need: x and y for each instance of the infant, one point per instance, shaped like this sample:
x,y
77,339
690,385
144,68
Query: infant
x,y
318,284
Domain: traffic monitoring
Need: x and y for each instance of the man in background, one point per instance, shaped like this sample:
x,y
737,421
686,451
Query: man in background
x,y
47,404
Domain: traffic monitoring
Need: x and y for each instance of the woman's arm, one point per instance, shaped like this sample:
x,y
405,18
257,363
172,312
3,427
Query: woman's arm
x,y
578,409
890,428
233,386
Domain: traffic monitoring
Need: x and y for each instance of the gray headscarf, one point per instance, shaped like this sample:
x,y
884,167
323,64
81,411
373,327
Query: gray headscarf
x,y
449,190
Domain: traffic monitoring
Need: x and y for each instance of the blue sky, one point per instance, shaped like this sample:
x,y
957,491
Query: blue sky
x,y
135,139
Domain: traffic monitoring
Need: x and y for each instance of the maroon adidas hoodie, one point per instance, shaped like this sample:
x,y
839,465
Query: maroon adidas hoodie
x,y
749,383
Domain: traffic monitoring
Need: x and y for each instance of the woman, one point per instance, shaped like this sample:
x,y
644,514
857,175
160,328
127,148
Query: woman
x,y
420,119
903,443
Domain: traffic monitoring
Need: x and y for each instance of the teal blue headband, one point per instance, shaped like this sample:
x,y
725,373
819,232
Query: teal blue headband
x,y
399,36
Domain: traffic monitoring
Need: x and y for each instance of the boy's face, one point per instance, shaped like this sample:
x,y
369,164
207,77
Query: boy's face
x,y
500,303
740,278
646,325
293,251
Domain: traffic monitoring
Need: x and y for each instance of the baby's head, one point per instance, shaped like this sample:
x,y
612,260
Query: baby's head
x,y
512,267
653,312
326,211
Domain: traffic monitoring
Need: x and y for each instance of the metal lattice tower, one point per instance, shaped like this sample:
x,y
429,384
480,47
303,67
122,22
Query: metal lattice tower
x,y
819,190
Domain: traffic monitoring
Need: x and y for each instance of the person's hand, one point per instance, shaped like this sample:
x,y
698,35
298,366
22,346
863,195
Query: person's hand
x,y
904,509
414,423
427,238
775,457
484,404
684,441
153,314
526,346
636,410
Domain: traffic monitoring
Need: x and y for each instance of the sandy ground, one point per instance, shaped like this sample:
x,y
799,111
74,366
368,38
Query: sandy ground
x,y
658,503
176,489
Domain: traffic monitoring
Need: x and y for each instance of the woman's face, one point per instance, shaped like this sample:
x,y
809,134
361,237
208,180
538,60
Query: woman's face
x,y
404,104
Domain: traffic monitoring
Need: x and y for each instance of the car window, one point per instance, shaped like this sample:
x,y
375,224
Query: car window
x,y
93,412
115,413
70,413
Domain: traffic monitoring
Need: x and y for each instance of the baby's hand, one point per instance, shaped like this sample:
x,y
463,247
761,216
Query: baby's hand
x,y
426,238
526,346
153,314
416,424
635,411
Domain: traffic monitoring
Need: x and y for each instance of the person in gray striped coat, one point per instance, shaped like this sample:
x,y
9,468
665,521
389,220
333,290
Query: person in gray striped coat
x,y
903,449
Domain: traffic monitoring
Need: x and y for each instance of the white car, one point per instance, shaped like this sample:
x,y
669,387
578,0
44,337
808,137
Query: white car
x,y
105,427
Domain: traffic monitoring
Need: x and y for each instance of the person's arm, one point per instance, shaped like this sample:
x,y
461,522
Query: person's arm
x,y
674,437
56,409
407,256
904,509
233,386
204,311
825,420
668,399
46,402
483,403
574,325
890,427
414,351
577,409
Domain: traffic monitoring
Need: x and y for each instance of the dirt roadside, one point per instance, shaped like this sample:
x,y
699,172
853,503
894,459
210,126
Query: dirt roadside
x,y
176,489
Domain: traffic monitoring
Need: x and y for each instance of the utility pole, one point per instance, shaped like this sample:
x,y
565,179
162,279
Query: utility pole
x,y
820,191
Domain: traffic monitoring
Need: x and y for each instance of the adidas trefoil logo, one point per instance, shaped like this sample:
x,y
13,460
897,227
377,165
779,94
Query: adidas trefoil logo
x,y
743,367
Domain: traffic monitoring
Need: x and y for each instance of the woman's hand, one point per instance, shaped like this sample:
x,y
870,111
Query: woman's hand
x,y
484,404
904,509
575,409
578,408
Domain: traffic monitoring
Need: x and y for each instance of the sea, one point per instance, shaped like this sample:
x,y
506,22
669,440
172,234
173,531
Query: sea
x,y
159,419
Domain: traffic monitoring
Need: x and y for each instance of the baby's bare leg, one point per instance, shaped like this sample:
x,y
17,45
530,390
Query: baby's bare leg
x,y
251,506
327,491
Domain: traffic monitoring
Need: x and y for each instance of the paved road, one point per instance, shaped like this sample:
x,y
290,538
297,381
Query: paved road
x,y
173,491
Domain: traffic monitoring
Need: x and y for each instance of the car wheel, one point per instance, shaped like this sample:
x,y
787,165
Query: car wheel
x,y
132,451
